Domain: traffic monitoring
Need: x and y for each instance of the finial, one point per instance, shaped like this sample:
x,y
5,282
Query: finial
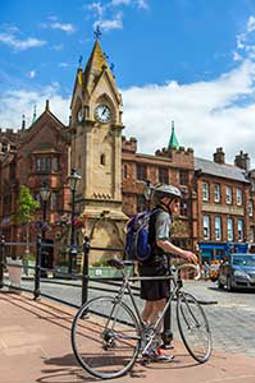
x,y
23,126
172,124
80,61
47,105
97,32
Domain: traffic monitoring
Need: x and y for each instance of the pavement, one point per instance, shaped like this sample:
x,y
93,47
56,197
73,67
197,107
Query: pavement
x,y
35,347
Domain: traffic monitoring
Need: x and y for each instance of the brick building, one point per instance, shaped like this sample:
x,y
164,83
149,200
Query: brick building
x,y
31,157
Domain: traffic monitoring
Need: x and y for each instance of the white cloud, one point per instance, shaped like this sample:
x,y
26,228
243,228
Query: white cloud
x,y
9,38
31,74
68,28
14,103
109,24
206,114
54,23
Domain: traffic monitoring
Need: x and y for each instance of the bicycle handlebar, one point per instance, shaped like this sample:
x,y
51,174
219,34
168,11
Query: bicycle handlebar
x,y
196,267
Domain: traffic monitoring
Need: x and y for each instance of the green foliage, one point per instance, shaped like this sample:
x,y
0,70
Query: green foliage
x,y
27,206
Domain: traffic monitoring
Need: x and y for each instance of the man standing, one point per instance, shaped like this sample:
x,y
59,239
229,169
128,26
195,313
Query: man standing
x,y
166,201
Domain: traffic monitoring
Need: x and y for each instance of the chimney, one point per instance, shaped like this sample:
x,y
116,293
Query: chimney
x,y
47,105
242,160
219,156
23,126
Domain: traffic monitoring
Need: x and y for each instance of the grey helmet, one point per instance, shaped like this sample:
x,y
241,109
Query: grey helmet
x,y
162,190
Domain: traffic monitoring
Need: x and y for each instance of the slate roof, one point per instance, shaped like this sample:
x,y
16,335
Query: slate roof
x,y
218,170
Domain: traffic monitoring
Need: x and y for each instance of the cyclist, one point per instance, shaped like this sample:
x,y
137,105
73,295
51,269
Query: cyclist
x,y
166,200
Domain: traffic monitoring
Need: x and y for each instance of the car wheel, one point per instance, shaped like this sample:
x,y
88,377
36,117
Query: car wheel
x,y
229,284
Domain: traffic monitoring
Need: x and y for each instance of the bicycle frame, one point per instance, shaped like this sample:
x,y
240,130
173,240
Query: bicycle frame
x,y
126,287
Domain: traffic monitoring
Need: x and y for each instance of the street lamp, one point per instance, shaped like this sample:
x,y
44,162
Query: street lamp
x,y
73,179
45,195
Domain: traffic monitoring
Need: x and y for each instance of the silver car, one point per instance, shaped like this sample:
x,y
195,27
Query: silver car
x,y
238,272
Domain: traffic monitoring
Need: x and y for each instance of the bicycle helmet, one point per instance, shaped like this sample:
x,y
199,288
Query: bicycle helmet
x,y
170,191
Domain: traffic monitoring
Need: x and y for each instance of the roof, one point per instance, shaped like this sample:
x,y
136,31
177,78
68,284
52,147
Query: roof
x,y
220,170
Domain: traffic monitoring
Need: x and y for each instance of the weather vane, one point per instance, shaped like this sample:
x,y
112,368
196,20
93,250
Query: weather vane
x,y
97,32
80,61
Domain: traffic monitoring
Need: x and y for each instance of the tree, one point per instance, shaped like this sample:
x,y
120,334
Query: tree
x,y
26,209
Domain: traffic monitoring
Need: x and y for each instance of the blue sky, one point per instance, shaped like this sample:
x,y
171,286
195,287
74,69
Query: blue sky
x,y
191,61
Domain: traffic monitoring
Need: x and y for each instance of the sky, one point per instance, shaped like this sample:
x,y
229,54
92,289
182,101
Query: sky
x,y
187,61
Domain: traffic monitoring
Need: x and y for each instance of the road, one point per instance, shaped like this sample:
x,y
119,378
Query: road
x,y
232,319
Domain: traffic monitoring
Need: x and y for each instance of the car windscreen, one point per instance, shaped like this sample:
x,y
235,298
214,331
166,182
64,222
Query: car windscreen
x,y
244,260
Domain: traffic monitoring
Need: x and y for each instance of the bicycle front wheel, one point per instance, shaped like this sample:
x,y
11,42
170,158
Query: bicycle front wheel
x,y
105,337
194,327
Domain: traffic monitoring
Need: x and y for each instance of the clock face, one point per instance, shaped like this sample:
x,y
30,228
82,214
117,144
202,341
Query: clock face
x,y
80,115
103,113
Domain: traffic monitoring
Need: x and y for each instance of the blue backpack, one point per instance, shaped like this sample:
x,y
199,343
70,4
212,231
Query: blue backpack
x,y
137,240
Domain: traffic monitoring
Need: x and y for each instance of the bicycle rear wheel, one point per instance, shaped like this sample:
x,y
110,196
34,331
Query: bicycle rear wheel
x,y
194,327
105,337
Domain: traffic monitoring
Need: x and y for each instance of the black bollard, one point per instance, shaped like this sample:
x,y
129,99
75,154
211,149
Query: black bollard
x,y
167,335
85,269
37,291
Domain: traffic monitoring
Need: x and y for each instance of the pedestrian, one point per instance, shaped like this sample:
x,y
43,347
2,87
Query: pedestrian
x,y
166,201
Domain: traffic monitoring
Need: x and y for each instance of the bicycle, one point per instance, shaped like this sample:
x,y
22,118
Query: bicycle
x,y
117,333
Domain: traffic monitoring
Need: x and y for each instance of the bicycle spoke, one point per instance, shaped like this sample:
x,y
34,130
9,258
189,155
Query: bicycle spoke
x,y
105,341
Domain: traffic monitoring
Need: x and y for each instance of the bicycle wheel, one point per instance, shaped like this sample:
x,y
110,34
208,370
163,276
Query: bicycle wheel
x,y
105,337
194,328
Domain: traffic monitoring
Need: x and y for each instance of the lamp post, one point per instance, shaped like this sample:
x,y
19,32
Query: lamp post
x,y
45,195
73,181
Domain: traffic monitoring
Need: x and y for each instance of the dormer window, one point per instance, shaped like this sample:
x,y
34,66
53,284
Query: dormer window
x,y
46,164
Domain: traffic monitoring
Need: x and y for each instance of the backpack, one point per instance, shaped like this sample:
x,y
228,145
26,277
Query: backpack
x,y
138,246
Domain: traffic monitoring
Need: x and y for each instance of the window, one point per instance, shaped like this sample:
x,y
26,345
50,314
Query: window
x,y
230,229
217,193
228,195
184,177
141,172
102,159
184,208
218,228
240,229
250,208
163,175
239,197
205,191
125,171
141,203
206,227
47,164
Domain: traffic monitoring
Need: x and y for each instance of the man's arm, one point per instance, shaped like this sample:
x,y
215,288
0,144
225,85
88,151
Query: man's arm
x,y
168,247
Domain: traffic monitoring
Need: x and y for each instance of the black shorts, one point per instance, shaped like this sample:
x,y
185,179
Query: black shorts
x,y
154,290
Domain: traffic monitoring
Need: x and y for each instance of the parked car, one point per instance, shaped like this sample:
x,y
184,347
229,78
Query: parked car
x,y
237,272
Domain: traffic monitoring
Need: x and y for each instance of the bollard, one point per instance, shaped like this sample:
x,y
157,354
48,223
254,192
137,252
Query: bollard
x,y
85,269
2,260
37,291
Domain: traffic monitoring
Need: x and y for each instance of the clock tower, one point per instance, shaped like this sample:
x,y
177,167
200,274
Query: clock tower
x,y
96,128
